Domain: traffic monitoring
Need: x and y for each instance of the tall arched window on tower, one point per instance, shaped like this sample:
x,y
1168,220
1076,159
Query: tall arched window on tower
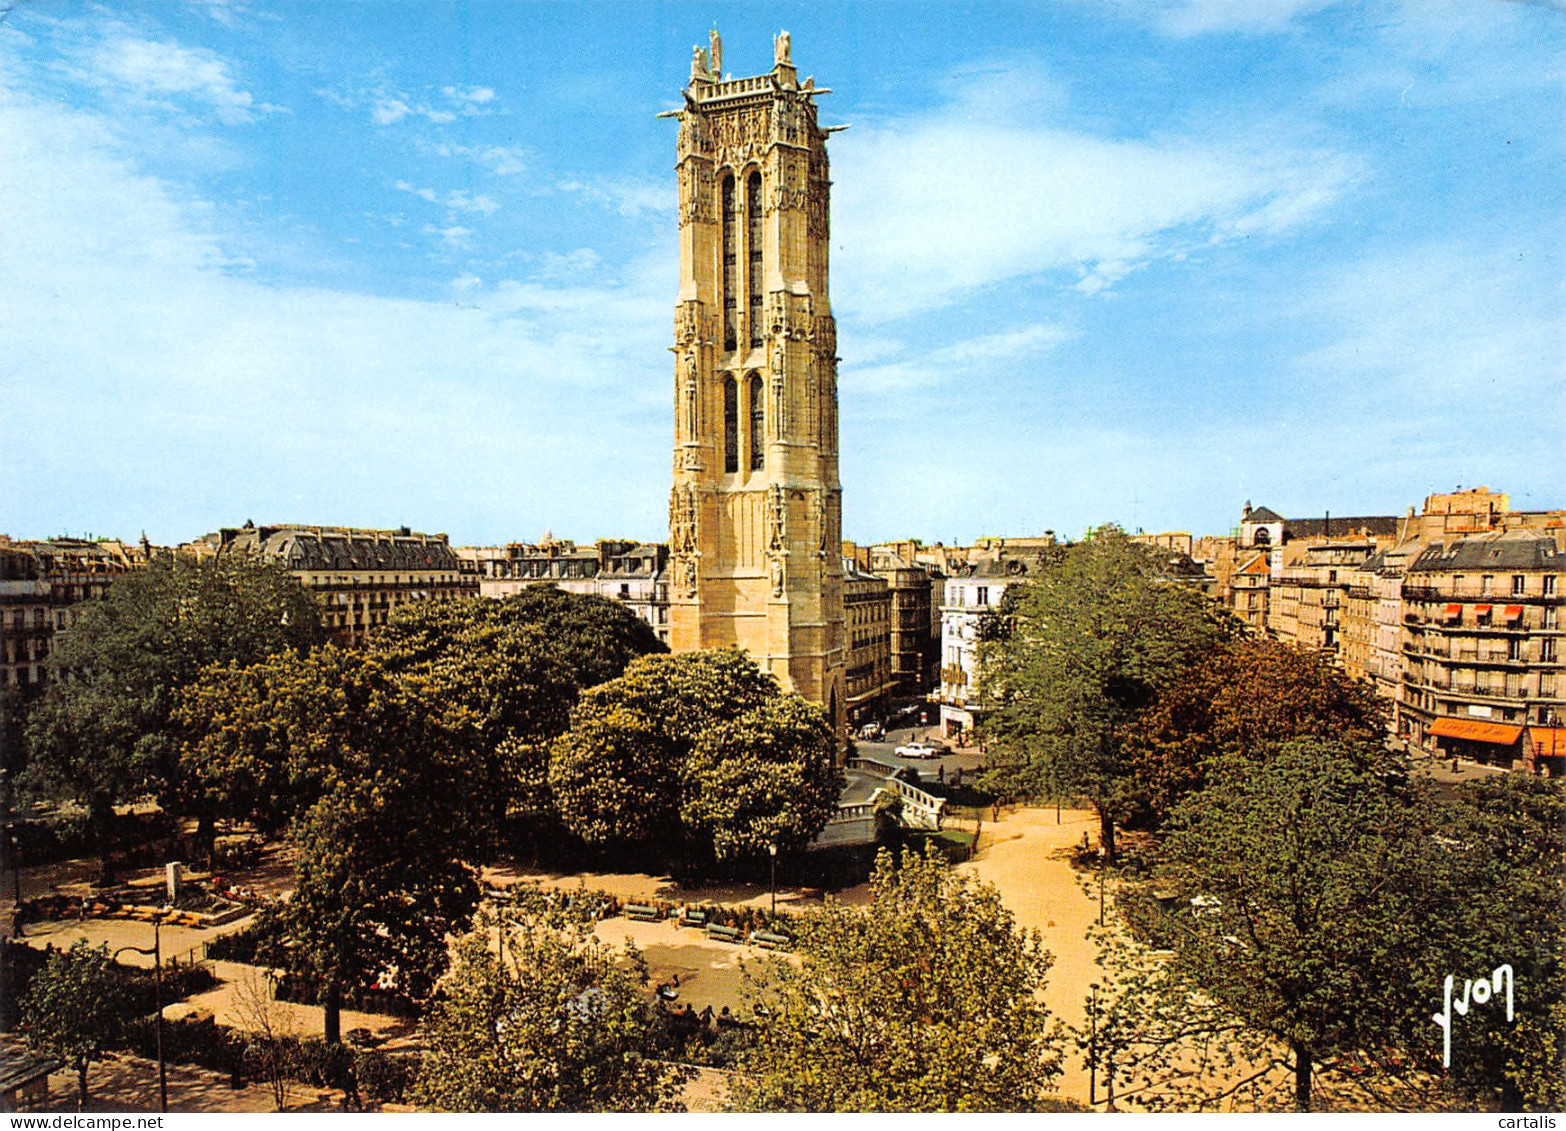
x,y
753,211
758,425
730,265
730,425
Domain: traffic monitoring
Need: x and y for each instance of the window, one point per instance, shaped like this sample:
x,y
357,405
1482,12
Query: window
x,y
1514,648
1549,585
730,265
1485,583
753,211
730,425
983,597
1519,584
758,425
1547,649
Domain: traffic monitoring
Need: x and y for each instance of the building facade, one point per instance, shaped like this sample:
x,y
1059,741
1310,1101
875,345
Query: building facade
x,y
42,585
915,650
971,599
1249,592
867,614
632,573
755,515
1307,602
1482,644
358,576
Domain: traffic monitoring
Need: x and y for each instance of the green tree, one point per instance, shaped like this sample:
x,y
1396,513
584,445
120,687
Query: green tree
x,y
1247,697
504,676
385,809
268,740
1093,639
549,1019
594,637
615,776
762,779
700,751
379,886
929,999
75,1009
1313,927
104,733
1508,837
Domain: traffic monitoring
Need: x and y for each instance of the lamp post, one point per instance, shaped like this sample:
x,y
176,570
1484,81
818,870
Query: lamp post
x,y
1093,1045
156,954
1102,858
772,856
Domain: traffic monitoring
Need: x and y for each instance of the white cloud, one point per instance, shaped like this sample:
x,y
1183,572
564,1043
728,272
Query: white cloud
x,y
389,110
501,160
477,95
1437,324
164,74
573,265
389,105
1206,17
454,236
627,198
456,200
927,210
225,12
211,396
960,360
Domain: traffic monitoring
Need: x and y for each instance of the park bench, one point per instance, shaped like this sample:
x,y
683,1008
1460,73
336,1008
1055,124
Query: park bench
x,y
771,940
725,934
691,917
642,912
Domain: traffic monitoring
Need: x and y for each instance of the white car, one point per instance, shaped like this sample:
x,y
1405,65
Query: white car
x,y
921,749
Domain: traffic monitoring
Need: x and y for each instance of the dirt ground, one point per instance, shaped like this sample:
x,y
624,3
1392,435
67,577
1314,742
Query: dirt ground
x,y
130,1083
1026,855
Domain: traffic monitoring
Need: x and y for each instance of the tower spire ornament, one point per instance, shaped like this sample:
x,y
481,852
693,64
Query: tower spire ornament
x,y
756,511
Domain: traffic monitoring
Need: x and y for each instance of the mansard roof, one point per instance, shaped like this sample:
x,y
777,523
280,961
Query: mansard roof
x,y
1383,525
344,548
1518,549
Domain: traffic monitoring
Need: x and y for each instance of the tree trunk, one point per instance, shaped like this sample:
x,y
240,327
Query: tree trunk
x,y
334,1014
1302,1070
81,1084
100,817
206,834
1106,832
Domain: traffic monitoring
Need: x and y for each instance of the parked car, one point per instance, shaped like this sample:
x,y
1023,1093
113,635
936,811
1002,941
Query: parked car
x,y
922,749
872,732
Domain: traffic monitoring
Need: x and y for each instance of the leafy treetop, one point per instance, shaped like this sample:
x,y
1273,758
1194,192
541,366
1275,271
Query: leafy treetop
x,y
929,999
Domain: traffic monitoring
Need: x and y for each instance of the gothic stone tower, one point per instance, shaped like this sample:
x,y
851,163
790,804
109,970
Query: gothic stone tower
x,y
755,517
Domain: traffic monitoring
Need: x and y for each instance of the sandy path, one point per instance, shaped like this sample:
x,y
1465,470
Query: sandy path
x,y
1026,856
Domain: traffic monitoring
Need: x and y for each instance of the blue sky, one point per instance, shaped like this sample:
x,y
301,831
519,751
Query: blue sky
x,y
403,263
